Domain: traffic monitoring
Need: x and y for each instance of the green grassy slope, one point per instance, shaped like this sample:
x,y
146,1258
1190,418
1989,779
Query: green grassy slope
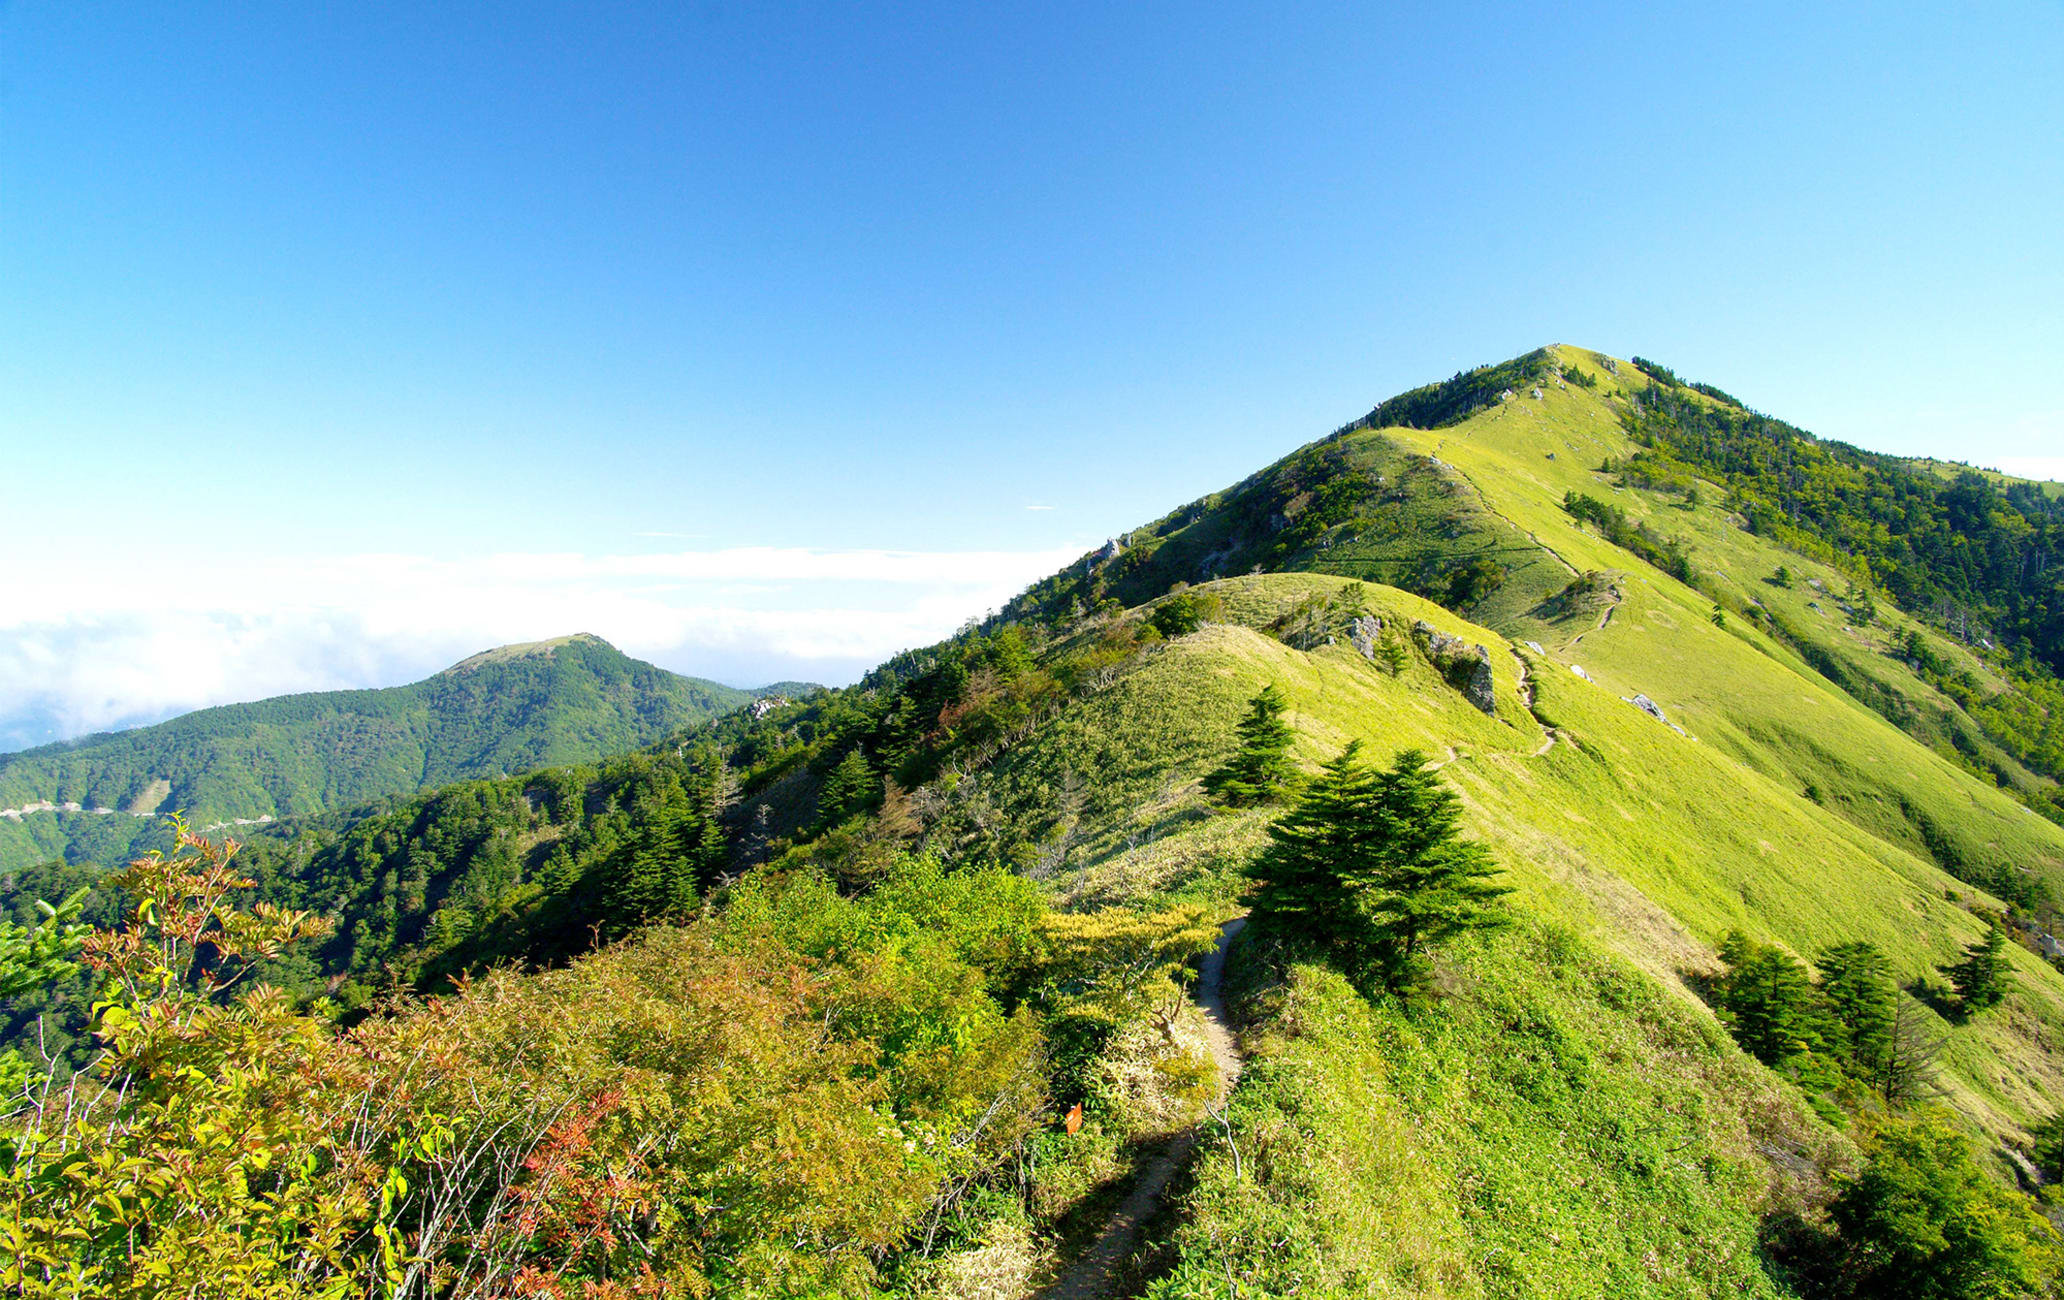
x,y
1567,1118
1793,726
1436,510
1563,1115
1651,842
507,710
1490,1145
1555,1126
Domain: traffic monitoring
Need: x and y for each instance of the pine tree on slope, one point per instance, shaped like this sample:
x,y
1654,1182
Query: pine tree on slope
x,y
1981,977
1301,880
1861,997
1373,866
1425,883
1261,768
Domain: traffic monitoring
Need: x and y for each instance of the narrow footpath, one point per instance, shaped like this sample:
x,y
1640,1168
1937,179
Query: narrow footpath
x,y
1099,1271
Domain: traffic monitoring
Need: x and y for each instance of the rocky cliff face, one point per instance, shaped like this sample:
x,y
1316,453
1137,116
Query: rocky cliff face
x,y
1364,632
1467,668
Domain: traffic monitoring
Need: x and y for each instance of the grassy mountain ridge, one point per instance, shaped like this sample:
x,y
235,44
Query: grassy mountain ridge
x,y
1692,727
1781,795
1632,846
1470,513
511,709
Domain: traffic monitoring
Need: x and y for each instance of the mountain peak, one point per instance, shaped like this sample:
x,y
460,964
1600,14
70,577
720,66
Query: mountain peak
x,y
525,650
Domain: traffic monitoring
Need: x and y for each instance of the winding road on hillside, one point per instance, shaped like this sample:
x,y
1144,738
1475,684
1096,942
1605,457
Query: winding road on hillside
x,y
1099,1271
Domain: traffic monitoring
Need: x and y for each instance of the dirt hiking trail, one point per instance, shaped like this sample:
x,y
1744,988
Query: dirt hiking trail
x,y
1099,1272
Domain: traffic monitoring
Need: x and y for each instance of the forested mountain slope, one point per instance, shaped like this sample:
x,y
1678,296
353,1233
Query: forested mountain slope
x,y
1683,740
506,710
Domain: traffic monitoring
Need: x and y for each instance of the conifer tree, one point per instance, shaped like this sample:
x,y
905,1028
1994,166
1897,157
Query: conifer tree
x,y
848,790
1861,999
1768,1000
1980,978
1391,650
1261,769
1301,880
1909,1070
655,875
1424,882
1373,865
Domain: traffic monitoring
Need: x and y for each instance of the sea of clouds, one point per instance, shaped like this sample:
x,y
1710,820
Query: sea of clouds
x,y
89,652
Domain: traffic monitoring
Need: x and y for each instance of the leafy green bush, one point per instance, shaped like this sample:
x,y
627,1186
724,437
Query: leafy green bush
x,y
1922,1220
1177,616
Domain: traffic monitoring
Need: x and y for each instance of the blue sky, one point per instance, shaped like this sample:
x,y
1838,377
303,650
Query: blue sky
x,y
337,341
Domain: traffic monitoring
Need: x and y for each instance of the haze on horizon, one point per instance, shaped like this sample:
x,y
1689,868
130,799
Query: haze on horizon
x,y
336,345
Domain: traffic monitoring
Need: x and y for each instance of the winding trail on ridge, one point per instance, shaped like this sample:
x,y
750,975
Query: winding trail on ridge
x,y
1099,1270
1612,590
1549,735
1483,498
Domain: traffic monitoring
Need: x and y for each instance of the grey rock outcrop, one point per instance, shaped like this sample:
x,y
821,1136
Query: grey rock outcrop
x,y
1467,668
1363,633
1108,552
1654,710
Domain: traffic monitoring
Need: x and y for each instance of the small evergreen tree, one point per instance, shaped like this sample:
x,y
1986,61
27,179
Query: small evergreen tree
x,y
1423,882
1301,880
1862,605
1178,616
1373,866
1261,768
848,790
1768,1001
1391,650
1909,1071
1980,979
1861,999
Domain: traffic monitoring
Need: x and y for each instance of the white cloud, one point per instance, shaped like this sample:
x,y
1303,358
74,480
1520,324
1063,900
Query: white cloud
x,y
122,643
2035,467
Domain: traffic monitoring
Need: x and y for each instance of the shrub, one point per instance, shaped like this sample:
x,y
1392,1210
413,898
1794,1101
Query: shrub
x,y
1922,1220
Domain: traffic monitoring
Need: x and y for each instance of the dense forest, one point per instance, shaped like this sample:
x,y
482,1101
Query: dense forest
x,y
1981,561
1984,562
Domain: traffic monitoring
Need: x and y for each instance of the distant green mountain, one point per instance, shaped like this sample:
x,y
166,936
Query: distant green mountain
x,y
506,710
